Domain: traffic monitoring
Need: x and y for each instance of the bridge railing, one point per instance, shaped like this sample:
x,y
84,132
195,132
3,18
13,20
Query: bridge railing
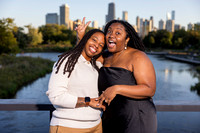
x,y
33,105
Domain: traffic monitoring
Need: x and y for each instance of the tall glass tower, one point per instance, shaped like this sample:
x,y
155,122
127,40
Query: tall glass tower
x,y
125,16
111,12
64,15
173,15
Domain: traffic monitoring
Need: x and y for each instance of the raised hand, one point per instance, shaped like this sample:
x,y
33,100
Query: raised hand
x,y
80,29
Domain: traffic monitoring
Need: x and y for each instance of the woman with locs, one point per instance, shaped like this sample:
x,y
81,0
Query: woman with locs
x,y
73,88
127,82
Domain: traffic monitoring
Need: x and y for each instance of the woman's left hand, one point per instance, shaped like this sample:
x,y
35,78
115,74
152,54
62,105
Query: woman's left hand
x,y
109,94
81,27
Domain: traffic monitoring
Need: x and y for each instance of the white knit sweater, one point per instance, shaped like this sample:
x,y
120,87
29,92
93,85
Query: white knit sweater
x,y
63,93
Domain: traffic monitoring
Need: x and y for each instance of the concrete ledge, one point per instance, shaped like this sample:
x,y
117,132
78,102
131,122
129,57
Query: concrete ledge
x,y
33,105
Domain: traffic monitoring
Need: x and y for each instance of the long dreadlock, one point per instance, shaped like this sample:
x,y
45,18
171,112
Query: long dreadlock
x,y
75,53
135,41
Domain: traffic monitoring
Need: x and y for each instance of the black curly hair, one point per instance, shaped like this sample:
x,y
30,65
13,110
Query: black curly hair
x,y
75,53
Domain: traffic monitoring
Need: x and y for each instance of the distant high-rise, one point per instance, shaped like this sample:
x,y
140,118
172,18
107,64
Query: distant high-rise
x,y
170,25
125,16
138,24
64,15
152,23
52,18
177,27
95,24
111,12
173,15
147,26
141,32
168,16
190,26
161,25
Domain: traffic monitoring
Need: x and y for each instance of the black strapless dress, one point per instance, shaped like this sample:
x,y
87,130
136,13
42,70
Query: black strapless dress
x,y
125,115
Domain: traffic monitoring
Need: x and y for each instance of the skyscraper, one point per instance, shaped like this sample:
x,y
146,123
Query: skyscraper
x,y
125,16
64,15
161,25
177,27
170,25
138,24
111,12
152,23
95,24
52,18
173,15
168,16
190,26
142,21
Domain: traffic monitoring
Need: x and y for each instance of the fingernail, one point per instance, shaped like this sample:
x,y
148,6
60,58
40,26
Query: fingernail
x,y
96,99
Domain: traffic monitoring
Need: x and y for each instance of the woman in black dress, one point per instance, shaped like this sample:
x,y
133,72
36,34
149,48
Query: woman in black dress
x,y
127,82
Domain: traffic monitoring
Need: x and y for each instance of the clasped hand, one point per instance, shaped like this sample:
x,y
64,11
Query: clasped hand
x,y
108,95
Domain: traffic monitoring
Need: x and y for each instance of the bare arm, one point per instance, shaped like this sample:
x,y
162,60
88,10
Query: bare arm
x,y
144,74
93,103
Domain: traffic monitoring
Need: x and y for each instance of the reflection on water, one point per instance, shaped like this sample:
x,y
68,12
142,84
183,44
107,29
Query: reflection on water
x,y
173,79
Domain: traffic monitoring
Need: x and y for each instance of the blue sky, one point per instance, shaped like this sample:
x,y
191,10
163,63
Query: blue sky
x,y
33,11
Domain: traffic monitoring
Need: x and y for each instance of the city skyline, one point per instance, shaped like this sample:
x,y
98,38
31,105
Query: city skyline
x,y
32,12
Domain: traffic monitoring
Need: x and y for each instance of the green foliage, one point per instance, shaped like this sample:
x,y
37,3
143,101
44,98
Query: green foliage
x,y
22,38
8,43
18,71
53,33
149,40
34,35
197,27
194,39
163,38
180,39
196,87
49,48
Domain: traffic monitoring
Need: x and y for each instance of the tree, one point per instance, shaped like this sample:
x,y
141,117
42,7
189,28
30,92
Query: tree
x,y
149,40
163,39
57,34
178,39
194,39
22,38
8,43
34,35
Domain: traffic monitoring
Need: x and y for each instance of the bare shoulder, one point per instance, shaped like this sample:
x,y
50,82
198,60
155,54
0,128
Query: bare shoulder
x,y
139,59
137,55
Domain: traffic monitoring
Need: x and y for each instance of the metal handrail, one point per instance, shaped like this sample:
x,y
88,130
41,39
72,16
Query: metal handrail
x,y
33,105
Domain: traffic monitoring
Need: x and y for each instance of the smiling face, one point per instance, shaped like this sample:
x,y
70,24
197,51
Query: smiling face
x,y
116,38
94,45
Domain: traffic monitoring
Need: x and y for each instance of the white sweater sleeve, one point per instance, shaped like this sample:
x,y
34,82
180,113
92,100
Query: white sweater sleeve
x,y
58,93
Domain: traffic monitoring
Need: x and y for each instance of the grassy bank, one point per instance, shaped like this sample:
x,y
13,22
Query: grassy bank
x,y
16,72
47,48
